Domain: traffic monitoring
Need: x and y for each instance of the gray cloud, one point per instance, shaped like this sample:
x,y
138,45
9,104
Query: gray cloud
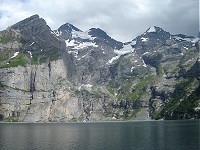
x,y
123,20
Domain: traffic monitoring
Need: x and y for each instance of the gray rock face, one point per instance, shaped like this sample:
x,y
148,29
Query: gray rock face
x,y
90,53
73,75
102,36
53,98
17,82
38,38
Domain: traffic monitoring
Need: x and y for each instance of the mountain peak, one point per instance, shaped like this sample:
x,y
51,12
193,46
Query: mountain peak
x,y
97,32
68,27
27,21
36,16
152,29
103,36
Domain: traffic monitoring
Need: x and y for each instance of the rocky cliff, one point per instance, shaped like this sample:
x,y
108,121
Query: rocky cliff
x,y
73,75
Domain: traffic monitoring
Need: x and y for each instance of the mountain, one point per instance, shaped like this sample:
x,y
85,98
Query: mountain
x,y
65,31
73,75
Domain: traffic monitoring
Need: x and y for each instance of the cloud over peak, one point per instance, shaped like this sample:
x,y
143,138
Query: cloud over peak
x,y
123,20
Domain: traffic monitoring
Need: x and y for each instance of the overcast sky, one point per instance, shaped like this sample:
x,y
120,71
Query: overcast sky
x,y
121,19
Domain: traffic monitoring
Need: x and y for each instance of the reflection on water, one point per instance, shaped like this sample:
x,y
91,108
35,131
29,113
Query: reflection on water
x,y
148,135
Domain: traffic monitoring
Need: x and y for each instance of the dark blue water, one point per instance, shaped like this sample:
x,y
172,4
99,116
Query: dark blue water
x,y
147,135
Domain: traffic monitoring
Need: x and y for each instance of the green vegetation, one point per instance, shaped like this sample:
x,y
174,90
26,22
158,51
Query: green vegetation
x,y
1,84
140,88
22,90
185,84
159,70
97,94
45,56
131,115
157,115
7,39
111,90
34,61
73,120
184,100
3,58
175,71
135,92
11,119
18,61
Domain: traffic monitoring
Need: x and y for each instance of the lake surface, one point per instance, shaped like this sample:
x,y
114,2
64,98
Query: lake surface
x,y
145,135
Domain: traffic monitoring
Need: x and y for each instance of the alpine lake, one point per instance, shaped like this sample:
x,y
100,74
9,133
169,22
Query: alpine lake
x,y
131,135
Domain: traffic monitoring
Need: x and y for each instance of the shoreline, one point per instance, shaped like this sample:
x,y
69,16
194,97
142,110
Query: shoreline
x,y
97,122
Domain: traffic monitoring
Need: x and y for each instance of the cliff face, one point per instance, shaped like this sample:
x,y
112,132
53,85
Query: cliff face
x,y
73,75
43,93
29,91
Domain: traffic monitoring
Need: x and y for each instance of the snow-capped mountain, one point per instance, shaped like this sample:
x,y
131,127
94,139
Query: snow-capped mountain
x,y
65,31
89,44
74,75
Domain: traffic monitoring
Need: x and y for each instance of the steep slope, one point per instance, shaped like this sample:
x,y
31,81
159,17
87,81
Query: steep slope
x,y
150,75
37,39
92,50
34,78
73,75
29,74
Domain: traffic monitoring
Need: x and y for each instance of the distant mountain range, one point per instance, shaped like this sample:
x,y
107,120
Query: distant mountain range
x,y
67,74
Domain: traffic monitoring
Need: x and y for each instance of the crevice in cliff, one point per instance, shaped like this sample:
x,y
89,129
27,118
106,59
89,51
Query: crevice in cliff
x,y
153,96
54,96
32,84
49,66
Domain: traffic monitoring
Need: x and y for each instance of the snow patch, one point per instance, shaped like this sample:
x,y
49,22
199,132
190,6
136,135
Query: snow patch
x,y
197,109
77,45
125,50
84,55
144,63
74,52
15,55
184,39
88,86
113,59
188,39
57,33
133,42
132,68
32,43
82,35
146,53
195,40
185,47
144,39
178,38
30,54
70,43
85,44
151,29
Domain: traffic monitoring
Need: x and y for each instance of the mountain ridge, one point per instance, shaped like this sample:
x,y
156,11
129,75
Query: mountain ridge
x,y
73,75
